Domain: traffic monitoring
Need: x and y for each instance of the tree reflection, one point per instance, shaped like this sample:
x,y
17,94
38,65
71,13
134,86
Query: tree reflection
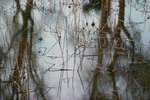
x,y
117,45
24,71
26,82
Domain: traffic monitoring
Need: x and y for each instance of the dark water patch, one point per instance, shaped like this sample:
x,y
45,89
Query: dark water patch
x,y
93,4
141,73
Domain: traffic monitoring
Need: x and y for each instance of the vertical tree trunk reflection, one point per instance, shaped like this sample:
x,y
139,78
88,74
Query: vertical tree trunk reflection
x,y
115,90
23,47
102,43
20,91
104,29
121,27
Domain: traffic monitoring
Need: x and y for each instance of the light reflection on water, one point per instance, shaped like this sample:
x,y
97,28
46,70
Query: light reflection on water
x,y
65,44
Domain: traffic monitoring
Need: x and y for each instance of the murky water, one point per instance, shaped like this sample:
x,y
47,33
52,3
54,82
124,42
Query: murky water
x,y
65,48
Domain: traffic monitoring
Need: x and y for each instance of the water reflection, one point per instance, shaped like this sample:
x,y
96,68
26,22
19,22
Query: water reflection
x,y
93,4
52,52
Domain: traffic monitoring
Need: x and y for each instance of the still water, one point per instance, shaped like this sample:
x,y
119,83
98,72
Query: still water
x,y
64,49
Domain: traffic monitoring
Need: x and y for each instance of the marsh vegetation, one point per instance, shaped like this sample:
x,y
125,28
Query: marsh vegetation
x,y
74,50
